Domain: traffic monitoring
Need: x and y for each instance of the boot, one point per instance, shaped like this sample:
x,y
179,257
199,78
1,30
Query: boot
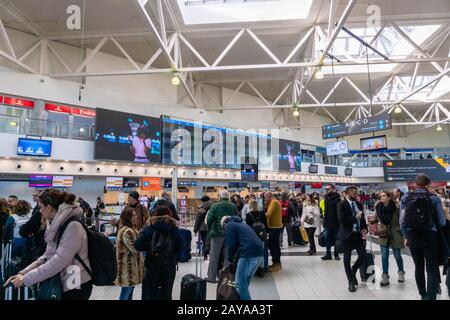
x,y
401,276
384,280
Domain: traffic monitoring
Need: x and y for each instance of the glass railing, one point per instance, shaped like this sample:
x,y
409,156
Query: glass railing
x,y
46,128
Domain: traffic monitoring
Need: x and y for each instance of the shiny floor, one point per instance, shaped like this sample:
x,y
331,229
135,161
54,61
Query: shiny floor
x,y
305,277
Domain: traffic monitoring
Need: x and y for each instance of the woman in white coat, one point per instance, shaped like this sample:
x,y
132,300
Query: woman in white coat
x,y
310,221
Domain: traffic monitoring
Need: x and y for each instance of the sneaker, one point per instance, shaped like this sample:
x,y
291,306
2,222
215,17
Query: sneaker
x,y
326,257
312,253
384,280
401,276
336,257
275,268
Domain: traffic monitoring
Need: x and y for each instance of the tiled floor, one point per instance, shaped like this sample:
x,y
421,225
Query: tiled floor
x,y
304,278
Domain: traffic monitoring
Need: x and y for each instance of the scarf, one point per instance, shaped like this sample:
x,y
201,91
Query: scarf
x,y
386,213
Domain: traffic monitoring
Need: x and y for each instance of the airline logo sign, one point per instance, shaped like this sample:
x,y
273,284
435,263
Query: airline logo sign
x,y
17,102
408,170
70,110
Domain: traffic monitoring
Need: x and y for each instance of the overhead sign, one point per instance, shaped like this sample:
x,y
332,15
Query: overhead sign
x,y
70,110
352,127
337,148
408,170
17,102
151,184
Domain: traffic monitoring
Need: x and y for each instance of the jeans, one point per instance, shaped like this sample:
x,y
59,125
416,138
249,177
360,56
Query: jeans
x,y
354,242
330,240
203,235
245,271
288,226
158,283
217,243
126,293
266,255
274,244
84,293
312,241
385,258
425,255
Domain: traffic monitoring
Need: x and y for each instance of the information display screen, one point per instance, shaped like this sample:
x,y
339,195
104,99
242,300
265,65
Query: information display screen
x,y
131,182
373,143
114,182
352,127
39,181
34,147
407,170
337,148
348,171
331,170
127,137
63,181
313,168
289,156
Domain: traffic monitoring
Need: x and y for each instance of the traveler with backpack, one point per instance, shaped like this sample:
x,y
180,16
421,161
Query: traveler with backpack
x,y
130,263
200,224
66,249
310,221
222,208
352,233
13,225
257,220
388,218
287,215
247,248
330,221
161,242
166,200
421,216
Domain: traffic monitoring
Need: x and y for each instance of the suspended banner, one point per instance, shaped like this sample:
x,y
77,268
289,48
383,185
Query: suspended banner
x,y
360,126
408,170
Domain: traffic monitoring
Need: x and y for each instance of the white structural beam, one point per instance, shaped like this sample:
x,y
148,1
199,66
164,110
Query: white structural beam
x,y
91,54
228,48
7,40
263,46
125,53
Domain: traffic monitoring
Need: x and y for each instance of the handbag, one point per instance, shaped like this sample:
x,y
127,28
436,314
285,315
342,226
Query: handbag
x,y
50,289
309,219
321,239
382,231
304,234
226,287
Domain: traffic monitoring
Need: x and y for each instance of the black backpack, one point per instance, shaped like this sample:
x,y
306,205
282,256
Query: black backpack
x,y
161,252
259,228
419,211
101,253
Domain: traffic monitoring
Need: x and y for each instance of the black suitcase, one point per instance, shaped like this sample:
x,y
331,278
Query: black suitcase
x,y
367,269
296,235
193,287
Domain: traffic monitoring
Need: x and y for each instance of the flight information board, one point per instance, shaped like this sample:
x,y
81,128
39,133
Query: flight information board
x,y
360,126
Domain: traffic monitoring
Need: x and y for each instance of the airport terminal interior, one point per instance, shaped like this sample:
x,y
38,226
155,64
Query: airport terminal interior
x,y
328,119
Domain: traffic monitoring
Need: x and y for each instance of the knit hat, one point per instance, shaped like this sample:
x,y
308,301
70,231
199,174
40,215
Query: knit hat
x,y
134,194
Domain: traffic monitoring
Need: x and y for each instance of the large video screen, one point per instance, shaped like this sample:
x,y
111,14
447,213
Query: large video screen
x,y
373,143
198,144
289,156
34,147
129,137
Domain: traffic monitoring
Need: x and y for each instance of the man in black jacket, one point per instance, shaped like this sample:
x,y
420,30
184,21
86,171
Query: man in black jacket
x,y
166,201
352,231
200,225
34,232
330,221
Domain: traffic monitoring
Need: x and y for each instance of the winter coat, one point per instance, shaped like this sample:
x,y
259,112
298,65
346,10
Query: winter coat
x,y
57,259
161,223
218,210
311,211
258,216
330,220
165,202
34,232
4,215
141,215
273,215
130,262
241,240
395,238
200,224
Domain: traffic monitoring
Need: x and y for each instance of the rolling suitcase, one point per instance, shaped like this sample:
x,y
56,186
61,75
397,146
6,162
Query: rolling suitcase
x,y
297,238
369,261
13,294
193,287
185,253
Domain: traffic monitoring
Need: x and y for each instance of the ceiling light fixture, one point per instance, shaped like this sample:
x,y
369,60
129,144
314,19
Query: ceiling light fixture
x,y
175,77
439,128
398,110
295,111
319,74
13,123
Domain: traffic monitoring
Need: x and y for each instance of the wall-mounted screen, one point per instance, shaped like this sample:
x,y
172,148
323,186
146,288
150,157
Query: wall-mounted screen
x,y
289,156
40,181
373,143
63,181
337,148
114,182
331,170
127,137
151,184
131,182
34,147
313,168
348,171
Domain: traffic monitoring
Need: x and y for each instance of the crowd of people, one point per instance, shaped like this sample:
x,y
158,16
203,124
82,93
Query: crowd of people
x,y
235,231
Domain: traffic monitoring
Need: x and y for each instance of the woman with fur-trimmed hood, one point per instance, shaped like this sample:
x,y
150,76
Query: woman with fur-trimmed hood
x,y
161,241
130,263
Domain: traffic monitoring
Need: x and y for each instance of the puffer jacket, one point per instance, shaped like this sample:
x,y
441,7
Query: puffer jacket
x,y
200,224
218,210
130,263
57,259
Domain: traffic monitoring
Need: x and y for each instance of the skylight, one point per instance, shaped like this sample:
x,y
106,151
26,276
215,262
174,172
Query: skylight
x,y
221,11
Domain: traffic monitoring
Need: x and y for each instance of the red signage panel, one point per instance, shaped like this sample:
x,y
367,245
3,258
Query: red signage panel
x,y
83,112
17,102
57,108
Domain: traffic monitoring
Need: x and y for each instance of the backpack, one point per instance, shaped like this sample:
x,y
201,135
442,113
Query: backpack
x,y
161,250
18,243
259,228
419,211
101,254
285,209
